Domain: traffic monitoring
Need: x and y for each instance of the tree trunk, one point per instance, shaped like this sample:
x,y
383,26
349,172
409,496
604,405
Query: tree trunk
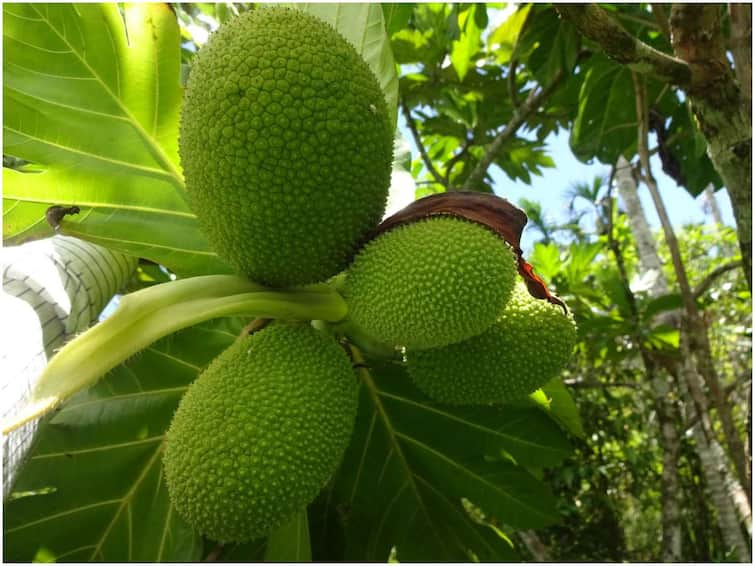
x,y
535,546
701,69
726,501
692,389
741,49
721,109
712,205
650,265
671,538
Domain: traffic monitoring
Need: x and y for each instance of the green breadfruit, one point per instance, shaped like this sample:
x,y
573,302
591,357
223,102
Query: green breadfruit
x,y
286,146
528,345
430,283
259,433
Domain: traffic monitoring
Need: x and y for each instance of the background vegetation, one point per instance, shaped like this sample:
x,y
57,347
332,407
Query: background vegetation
x,y
658,466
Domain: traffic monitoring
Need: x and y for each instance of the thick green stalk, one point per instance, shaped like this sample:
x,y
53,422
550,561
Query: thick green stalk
x,y
147,315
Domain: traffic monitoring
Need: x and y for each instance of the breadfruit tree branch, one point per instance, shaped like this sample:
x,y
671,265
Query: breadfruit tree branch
x,y
705,284
693,326
533,102
594,23
701,68
420,146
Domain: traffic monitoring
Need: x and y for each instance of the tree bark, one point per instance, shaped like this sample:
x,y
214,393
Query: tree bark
x,y
712,205
740,16
692,324
717,103
701,69
726,493
650,265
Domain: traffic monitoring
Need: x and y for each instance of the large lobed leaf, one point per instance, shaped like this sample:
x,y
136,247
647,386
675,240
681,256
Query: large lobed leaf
x,y
91,100
92,488
433,481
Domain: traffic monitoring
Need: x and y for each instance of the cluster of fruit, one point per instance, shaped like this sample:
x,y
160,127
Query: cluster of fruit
x,y
286,145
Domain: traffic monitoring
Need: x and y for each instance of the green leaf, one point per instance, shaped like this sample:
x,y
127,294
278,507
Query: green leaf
x,y
504,39
546,260
662,337
580,262
412,464
363,26
562,407
96,466
556,43
290,542
606,122
664,303
688,150
396,16
464,48
92,99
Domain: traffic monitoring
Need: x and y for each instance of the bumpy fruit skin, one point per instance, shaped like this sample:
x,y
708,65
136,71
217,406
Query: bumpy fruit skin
x,y
286,146
430,283
529,344
258,434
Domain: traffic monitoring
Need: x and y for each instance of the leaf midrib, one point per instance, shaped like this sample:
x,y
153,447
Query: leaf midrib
x,y
469,424
392,435
468,472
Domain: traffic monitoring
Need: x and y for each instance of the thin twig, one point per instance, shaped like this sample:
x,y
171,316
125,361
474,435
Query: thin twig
x,y
420,146
588,385
533,101
661,19
713,275
455,159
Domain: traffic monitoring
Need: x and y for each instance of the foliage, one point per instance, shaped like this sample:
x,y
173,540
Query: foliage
x,y
96,129
92,97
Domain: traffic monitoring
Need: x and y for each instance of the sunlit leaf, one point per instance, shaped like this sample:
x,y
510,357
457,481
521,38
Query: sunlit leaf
x,y
97,463
91,99
464,48
412,464
546,259
503,39
562,407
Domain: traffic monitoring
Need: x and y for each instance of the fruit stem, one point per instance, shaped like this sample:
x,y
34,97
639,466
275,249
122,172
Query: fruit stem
x,y
149,314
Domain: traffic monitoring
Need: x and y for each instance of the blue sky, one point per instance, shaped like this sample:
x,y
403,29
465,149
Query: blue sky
x,y
550,188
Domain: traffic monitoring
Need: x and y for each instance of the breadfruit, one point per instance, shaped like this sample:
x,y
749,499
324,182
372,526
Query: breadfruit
x,y
259,433
430,283
286,146
528,345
